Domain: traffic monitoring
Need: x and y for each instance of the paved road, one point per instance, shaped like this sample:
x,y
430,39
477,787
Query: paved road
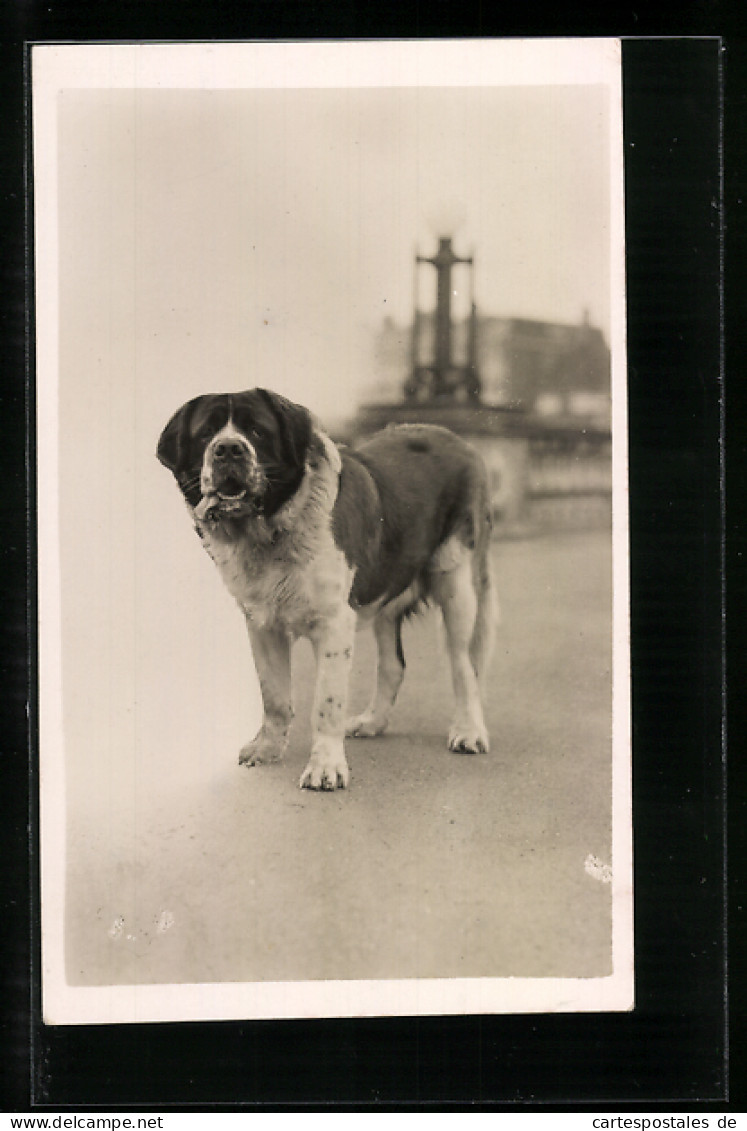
x,y
431,865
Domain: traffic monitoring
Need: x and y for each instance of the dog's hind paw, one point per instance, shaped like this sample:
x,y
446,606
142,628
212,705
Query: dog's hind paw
x,y
365,726
327,767
468,739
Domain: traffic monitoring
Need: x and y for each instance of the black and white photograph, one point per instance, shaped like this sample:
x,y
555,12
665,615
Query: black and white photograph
x,y
334,674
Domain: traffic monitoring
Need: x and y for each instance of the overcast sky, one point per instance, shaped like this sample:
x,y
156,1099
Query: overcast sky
x,y
222,239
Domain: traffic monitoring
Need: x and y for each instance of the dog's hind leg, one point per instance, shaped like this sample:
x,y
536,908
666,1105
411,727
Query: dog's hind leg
x,y
390,671
486,617
464,616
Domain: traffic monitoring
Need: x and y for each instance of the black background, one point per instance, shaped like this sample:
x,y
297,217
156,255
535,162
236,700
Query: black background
x,y
672,1051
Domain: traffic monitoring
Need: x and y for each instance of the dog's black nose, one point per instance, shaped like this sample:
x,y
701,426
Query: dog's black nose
x,y
228,449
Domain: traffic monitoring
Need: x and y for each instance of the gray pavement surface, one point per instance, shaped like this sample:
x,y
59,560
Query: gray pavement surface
x,y
431,864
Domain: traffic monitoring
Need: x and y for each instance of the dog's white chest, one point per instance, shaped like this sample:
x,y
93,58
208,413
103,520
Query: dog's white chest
x,y
290,585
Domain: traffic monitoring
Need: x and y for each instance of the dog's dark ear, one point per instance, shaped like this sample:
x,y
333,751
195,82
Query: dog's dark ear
x,y
295,426
172,446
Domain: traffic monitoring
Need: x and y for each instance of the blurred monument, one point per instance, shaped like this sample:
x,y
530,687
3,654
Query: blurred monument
x,y
440,378
532,396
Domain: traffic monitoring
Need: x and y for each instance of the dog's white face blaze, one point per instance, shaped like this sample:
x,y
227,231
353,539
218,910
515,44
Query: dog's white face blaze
x,y
229,434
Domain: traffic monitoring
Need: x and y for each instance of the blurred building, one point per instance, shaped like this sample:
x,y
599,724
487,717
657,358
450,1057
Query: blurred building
x,y
534,397
547,368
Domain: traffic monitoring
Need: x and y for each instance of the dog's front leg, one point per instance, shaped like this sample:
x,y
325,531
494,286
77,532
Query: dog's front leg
x,y
272,649
333,648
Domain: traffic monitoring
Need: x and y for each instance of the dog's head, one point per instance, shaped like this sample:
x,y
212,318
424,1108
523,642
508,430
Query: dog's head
x,y
237,453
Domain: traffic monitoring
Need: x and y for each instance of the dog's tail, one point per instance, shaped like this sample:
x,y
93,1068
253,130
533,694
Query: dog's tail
x,y
487,616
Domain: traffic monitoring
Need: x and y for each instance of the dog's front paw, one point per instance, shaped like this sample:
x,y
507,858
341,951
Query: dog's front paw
x,y
268,746
327,768
366,725
468,738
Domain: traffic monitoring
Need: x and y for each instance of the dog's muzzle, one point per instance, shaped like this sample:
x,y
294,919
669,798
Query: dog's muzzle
x,y
232,477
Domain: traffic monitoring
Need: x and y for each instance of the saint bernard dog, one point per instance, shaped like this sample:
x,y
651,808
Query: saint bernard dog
x,y
310,538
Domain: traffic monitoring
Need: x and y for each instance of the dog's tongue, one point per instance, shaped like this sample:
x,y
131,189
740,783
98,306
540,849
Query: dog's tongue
x,y
213,506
